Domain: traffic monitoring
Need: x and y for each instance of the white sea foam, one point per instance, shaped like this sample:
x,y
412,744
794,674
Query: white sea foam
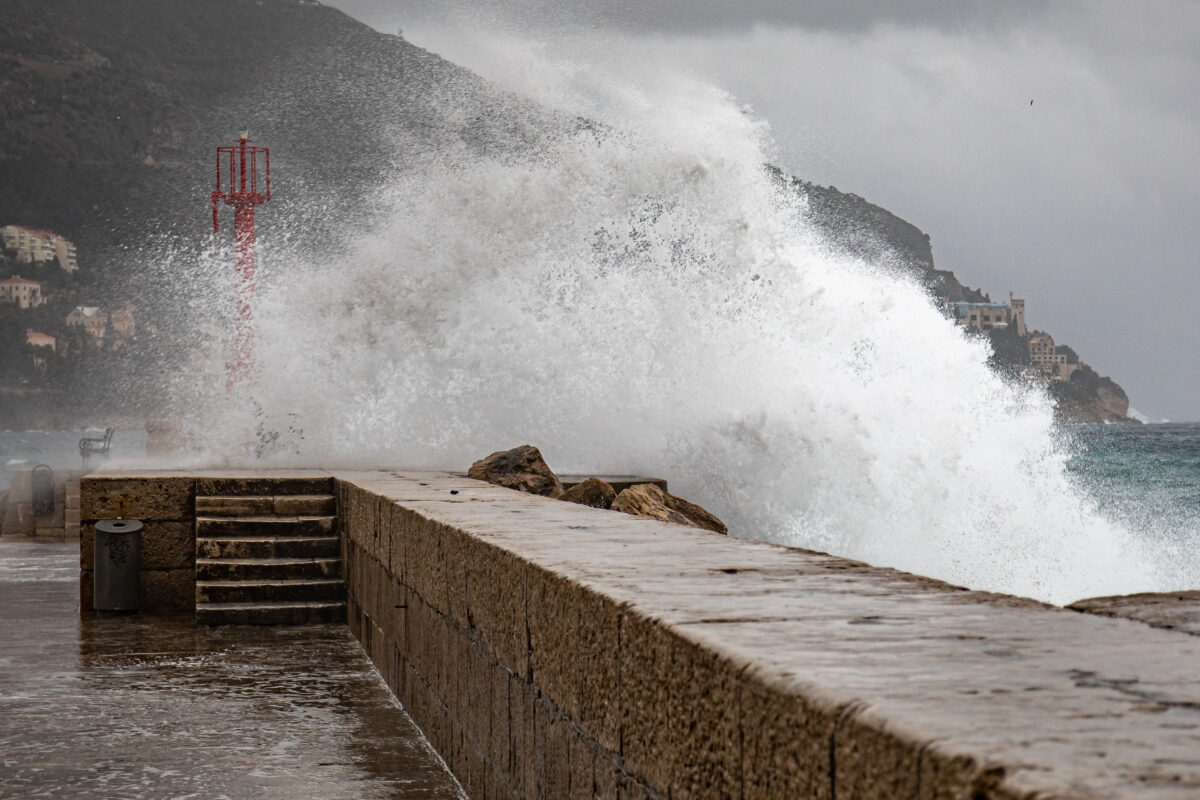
x,y
647,300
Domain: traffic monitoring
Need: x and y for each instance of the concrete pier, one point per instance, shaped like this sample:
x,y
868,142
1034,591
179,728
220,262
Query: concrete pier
x,y
129,707
549,650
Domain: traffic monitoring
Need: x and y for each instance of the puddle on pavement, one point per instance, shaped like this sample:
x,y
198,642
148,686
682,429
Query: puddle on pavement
x,y
137,708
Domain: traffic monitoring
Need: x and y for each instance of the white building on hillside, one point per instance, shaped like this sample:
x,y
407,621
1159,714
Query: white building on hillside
x,y
22,291
32,245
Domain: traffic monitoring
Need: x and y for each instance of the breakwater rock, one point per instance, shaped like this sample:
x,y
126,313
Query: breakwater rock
x,y
523,468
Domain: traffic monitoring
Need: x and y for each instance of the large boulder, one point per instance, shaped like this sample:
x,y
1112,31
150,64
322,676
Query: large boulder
x,y
648,500
521,468
591,492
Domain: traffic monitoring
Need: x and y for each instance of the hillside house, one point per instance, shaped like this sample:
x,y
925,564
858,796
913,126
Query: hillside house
x,y
1045,357
22,291
123,322
32,245
989,316
35,339
91,319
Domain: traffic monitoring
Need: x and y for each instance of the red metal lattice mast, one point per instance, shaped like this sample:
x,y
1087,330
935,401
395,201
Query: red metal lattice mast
x,y
243,165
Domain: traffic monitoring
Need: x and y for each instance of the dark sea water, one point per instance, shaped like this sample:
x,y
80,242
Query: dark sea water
x,y
1145,476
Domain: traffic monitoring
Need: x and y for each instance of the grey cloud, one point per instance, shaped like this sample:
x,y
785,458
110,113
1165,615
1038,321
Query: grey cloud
x,y
666,16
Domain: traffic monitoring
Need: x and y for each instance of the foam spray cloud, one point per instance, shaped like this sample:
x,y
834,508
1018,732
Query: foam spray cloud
x,y
642,296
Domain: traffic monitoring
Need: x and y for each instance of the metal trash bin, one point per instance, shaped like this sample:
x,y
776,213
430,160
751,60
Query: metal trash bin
x,y
118,558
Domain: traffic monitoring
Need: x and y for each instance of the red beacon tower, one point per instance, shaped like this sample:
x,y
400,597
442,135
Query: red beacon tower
x,y
242,161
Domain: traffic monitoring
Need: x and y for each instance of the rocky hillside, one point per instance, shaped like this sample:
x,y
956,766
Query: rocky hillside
x,y
1089,397
110,112
868,231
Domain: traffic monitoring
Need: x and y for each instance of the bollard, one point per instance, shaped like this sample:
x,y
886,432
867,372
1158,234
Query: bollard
x,y
118,549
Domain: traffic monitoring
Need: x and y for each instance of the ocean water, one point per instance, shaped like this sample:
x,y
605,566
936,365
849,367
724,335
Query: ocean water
x,y
1146,479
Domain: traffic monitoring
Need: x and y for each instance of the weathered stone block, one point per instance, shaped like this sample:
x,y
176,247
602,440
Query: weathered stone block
x,y
167,591
234,506
520,724
574,646
679,713
473,690
168,545
419,634
499,747
455,544
305,505
248,485
358,516
470,765
606,779
154,498
496,601
873,762
554,763
391,520
785,744
425,565
581,760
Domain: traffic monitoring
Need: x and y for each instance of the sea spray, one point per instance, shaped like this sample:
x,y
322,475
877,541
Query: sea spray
x,y
643,296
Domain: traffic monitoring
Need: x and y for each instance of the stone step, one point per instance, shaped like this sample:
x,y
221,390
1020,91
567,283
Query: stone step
x,y
267,569
271,613
208,527
270,547
293,505
286,505
269,591
235,506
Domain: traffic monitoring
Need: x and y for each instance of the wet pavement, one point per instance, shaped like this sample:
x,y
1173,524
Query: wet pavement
x,y
125,707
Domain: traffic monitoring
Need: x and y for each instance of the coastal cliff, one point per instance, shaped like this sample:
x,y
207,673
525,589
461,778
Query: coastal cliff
x,y
1088,397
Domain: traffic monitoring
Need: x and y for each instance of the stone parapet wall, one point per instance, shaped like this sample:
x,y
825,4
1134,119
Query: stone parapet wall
x,y
550,650
165,502
17,517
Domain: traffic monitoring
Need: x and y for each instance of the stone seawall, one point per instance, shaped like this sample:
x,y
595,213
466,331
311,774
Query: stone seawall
x,y
554,651
550,650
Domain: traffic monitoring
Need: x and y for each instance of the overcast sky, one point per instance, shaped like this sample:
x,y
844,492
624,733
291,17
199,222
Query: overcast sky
x,y
1084,203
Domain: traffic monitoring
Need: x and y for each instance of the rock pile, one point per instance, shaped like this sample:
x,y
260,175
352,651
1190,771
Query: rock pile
x,y
648,500
592,492
523,468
